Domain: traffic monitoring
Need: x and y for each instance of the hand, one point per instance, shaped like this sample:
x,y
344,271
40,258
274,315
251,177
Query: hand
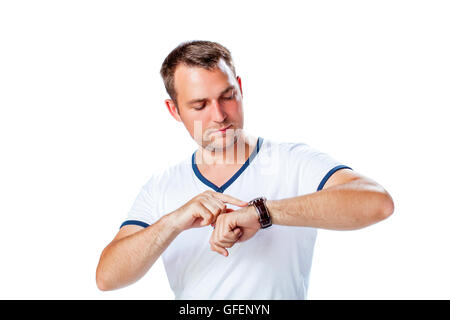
x,y
236,226
203,210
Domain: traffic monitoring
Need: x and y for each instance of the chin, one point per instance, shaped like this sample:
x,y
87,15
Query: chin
x,y
221,143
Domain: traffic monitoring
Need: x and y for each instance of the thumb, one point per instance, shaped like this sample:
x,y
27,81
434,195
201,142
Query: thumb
x,y
237,232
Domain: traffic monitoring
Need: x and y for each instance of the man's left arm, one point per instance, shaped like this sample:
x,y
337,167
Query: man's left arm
x,y
347,201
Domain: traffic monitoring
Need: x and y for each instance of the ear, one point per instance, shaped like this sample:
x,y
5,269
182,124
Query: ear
x,y
240,84
170,104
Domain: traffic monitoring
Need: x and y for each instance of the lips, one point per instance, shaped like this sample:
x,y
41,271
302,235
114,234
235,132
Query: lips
x,y
224,128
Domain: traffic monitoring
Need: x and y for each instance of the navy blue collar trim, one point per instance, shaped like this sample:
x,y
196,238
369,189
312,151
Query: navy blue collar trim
x,y
234,177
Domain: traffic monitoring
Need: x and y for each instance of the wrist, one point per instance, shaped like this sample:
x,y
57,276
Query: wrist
x,y
252,212
171,224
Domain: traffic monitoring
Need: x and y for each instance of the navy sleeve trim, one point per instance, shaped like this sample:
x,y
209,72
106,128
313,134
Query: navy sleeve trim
x,y
134,222
329,174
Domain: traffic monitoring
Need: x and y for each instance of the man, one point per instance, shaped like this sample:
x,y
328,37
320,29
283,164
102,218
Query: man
x,y
216,243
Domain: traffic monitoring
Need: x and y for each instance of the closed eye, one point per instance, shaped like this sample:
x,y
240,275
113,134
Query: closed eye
x,y
230,97
200,107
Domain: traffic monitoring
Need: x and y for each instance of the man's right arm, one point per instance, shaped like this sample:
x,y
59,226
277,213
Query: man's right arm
x,y
135,249
132,252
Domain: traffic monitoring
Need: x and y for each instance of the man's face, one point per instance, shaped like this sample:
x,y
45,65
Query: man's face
x,y
209,101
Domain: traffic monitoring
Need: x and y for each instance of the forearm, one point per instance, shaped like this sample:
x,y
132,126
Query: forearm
x,y
352,205
126,260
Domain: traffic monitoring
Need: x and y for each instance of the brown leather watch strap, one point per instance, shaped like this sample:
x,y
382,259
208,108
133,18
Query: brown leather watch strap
x,y
264,216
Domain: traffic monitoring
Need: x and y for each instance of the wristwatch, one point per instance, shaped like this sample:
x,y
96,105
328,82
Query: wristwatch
x,y
264,216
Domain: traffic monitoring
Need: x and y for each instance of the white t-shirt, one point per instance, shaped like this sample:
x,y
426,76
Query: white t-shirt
x,y
275,263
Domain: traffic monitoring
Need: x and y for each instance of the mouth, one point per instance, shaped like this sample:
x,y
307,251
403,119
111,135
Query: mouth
x,y
222,130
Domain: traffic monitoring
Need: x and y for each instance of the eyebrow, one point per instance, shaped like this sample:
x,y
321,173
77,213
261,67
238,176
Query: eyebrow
x,y
201,100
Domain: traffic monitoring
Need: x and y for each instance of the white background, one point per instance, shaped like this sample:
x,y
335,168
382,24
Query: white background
x,y
83,126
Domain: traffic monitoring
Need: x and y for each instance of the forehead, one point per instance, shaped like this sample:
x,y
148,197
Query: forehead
x,y
197,82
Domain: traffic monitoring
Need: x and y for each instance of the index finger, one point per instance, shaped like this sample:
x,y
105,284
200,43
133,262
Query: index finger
x,y
229,199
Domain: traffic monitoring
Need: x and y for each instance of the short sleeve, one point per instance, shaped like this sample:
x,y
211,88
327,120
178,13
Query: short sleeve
x,y
314,167
142,212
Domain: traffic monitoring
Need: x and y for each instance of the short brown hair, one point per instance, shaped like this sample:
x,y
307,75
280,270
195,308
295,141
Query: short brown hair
x,y
197,53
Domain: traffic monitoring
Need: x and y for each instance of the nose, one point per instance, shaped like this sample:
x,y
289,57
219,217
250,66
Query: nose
x,y
218,115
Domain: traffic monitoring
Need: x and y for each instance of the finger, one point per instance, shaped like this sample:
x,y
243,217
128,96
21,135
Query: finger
x,y
231,236
219,249
221,227
223,236
229,199
213,209
225,244
219,206
203,213
222,251
237,234
216,245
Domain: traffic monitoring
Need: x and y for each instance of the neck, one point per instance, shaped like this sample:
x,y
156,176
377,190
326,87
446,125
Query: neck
x,y
235,154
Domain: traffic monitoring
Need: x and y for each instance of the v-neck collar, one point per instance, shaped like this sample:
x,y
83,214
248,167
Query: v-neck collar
x,y
234,177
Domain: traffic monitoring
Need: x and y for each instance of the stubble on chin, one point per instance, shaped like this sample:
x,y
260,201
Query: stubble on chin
x,y
220,144
211,141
